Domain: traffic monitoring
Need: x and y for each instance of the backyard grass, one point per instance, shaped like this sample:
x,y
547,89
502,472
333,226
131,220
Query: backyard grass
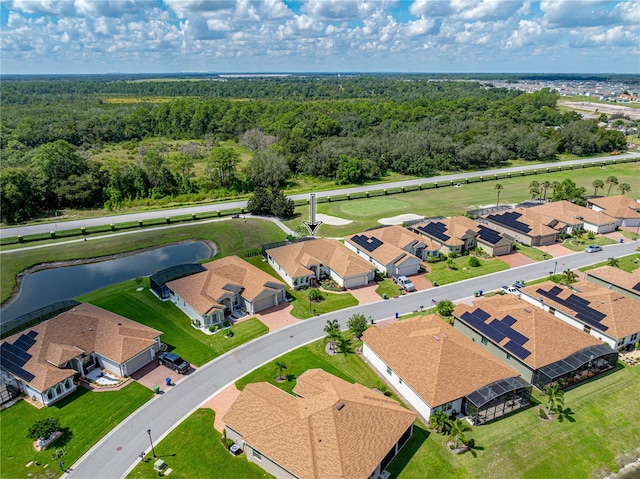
x,y
86,417
313,356
389,288
531,252
143,307
231,237
194,450
303,309
449,201
579,244
625,263
441,273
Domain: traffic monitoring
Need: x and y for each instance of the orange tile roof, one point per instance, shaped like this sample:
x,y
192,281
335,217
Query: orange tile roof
x,y
571,214
227,276
309,435
621,315
84,329
617,277
619,206
402,238
434,359
296,258
550,339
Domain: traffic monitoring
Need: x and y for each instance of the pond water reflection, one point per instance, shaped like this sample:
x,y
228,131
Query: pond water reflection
x,y
51,285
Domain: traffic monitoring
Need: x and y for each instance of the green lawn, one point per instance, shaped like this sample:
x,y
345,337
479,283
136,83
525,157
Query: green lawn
x,y
231,237
143,307
625,263
86,417
389,288
303,309
313,356
374,206
579,244
531,252
194,450
441,273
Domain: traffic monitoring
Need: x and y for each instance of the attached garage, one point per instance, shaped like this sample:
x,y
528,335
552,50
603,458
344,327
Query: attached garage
x,y
356,281
138,361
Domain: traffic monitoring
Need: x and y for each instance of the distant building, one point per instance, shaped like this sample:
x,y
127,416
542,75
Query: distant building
x,y
330,429
625,210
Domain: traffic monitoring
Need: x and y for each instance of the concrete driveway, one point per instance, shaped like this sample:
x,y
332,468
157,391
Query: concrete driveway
x,y
366,294
221,403
276,317
516,259
153,374
556,250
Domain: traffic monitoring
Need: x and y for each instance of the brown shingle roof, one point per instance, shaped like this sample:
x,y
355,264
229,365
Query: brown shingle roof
x,y
84,329
435,360
621,315
537,222
402,238
309,436
570,213
223,277
618,277
295,258
550,339
619,206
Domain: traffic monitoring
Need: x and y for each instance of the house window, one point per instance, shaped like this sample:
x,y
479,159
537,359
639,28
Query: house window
x,y
587,329
448,406
400,380
509,356
67,383
59,389
50,394
389,371
633,337
552,310
484,341
257,455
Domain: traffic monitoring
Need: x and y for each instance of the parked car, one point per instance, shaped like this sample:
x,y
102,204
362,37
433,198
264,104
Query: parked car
x,y
175,362
593,248
510,289
404,283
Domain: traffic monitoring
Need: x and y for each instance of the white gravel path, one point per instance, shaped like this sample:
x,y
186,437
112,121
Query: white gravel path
x,y
332,220
398,220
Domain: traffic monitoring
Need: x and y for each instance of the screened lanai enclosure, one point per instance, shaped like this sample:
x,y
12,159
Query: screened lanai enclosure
x,y
158,280
496,399
9,387
578,367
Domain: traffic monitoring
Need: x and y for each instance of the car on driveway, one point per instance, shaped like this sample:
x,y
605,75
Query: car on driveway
x,y
510,290
593,248
404,283
175,362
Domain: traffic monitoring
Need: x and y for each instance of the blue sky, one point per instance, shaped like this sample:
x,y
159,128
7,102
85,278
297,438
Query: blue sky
x,y
136,36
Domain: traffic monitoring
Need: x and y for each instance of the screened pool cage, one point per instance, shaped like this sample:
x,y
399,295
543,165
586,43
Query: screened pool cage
x,y
496,399
580,366
158,280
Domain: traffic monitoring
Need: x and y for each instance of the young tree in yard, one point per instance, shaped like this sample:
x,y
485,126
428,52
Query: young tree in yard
x,y
613,262
445,307
280,367
344,345
332,328
555,397
568,190
439,420
597,184
358,324
624,188
457,430
611,181
569,277
498,187
44,428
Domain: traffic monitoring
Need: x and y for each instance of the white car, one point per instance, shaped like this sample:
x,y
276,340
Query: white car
x,y
510,290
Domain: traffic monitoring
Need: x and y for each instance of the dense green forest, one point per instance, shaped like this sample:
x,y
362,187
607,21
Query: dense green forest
x,y
347,130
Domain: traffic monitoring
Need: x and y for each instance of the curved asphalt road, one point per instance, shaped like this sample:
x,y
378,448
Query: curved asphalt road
x,y
115,454
66,225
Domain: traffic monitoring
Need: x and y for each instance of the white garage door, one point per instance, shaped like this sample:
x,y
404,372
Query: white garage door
x,y
355,282
263,303
407,269
138,361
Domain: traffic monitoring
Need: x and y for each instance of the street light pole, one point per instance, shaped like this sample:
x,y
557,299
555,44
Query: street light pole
x,y
554,268
152,449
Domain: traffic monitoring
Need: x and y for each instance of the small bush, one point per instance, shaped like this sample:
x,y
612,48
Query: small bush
x,y
212,328
44,428
542,413
226,324
445,307
591,235
315,294
474,262
453,255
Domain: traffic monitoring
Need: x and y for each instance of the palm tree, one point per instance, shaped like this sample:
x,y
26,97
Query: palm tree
x,y
611,181
332,328
554,185
498,188
534,184
535,191
569,276
613,262
439,420
457,430
344,345
597,184
555,397
280,367
624,188
544,185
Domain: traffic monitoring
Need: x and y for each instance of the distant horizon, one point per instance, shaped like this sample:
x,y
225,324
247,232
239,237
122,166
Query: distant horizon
x,y
78,37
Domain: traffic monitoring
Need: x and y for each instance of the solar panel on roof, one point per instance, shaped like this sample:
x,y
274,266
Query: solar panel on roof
x,y
436,229
482,314
583,311
15,369
510,219
368,244
15,351
636,287
25,342
509,320
489,235
32,333
517,350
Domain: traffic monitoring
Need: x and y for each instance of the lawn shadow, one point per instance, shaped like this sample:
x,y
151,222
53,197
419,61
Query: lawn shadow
x,y
65,401
400,462
291,377
63,440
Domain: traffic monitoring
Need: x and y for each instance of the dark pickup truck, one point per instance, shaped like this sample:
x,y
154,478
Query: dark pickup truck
x,y
175,362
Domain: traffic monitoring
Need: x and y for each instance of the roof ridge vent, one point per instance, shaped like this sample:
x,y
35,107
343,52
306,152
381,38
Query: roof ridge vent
x,y
436,337
339,406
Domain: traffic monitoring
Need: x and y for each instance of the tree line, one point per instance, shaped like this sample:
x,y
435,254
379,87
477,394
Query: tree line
x,y
413,127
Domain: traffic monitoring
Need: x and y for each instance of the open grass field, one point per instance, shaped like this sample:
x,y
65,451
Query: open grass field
x,y
86,416
143,307
231,237
194,450
441,273
449,201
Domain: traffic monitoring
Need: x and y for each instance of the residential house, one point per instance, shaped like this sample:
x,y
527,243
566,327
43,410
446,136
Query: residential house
x,y
302,263
605,314
525,226
330,429
393,250
228,286
577,217
47,357
625,210
459,234
436,367
617,280
542,348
